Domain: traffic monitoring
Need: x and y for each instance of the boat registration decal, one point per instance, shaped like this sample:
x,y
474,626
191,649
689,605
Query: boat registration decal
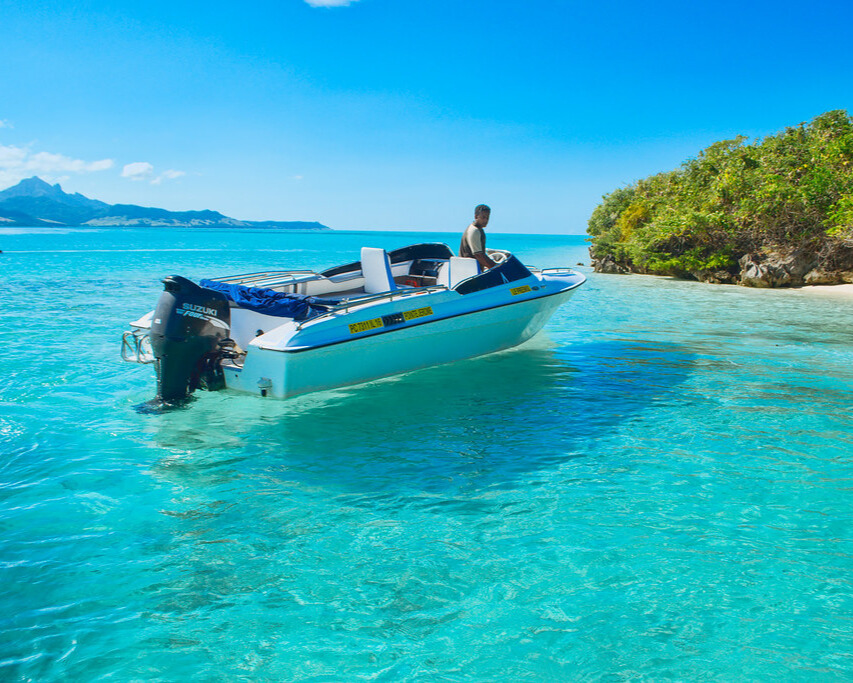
x,y
520,290
417,313
366,325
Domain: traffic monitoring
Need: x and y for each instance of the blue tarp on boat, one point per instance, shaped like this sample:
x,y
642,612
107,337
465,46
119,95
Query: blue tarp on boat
x,y
270,302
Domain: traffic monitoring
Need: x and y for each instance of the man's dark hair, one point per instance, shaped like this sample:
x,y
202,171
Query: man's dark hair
x,y
481,208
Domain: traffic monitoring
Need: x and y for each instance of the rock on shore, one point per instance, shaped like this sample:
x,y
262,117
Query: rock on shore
x,y
832,264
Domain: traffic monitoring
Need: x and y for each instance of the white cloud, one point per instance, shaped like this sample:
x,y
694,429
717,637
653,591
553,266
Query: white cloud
x,y
5,124
11,157
138,170
45,162
17,163
330,3
142,170
170,174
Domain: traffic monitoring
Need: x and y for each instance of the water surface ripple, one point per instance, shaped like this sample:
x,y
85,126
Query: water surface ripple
x,y
657,487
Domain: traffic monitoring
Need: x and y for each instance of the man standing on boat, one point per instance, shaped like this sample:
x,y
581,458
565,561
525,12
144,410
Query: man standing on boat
x,y
474,238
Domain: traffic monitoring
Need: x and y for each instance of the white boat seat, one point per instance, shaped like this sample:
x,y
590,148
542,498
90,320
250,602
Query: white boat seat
x,y
376,268
455,270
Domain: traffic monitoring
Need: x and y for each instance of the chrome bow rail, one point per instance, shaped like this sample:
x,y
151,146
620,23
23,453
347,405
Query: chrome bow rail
x,y
554,271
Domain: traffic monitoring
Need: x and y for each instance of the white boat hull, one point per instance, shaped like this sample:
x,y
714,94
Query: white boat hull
x,y
284,374
285,333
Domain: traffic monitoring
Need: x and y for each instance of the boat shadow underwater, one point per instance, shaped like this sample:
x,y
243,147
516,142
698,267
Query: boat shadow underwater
x,y
485,420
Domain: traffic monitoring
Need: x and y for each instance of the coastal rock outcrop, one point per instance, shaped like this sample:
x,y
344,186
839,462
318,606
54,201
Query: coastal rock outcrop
x,y
835,264
776,268
608,264
819,276
715,277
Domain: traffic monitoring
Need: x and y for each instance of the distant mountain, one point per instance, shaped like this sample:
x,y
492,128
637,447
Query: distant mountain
x,y
33,202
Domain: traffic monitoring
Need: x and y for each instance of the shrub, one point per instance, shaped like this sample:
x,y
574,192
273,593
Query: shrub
x,y
794,188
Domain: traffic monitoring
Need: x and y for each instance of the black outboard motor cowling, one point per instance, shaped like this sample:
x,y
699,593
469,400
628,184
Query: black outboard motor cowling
x,y
189,324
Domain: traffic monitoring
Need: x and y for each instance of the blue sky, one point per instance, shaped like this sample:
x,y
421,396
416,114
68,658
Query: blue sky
x,y
400,114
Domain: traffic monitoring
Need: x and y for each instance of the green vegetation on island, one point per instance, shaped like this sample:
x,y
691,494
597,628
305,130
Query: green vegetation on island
x,y
775,212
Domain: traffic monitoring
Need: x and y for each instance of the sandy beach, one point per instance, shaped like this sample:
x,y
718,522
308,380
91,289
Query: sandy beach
x,y
845,290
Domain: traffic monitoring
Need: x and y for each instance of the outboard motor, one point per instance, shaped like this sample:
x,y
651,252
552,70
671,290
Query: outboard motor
x,y
189,325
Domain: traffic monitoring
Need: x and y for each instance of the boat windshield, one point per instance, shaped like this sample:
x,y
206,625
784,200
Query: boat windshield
x,y
509,270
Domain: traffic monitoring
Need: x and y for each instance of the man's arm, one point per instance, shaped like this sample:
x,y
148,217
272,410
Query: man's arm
x,y
484,260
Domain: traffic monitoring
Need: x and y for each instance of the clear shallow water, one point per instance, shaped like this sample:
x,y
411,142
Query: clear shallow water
x,y
659,486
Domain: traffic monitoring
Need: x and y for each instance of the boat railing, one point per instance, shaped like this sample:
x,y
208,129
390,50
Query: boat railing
x,y
270,278
347,304
136,347
557,270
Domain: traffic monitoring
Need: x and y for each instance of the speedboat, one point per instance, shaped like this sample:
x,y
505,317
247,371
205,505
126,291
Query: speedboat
x,y
284,333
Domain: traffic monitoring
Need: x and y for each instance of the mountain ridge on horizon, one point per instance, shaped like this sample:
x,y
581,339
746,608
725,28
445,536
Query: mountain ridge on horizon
x,y
34,202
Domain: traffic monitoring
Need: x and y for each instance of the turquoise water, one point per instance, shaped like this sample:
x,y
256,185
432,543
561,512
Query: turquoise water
x,y
656,487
